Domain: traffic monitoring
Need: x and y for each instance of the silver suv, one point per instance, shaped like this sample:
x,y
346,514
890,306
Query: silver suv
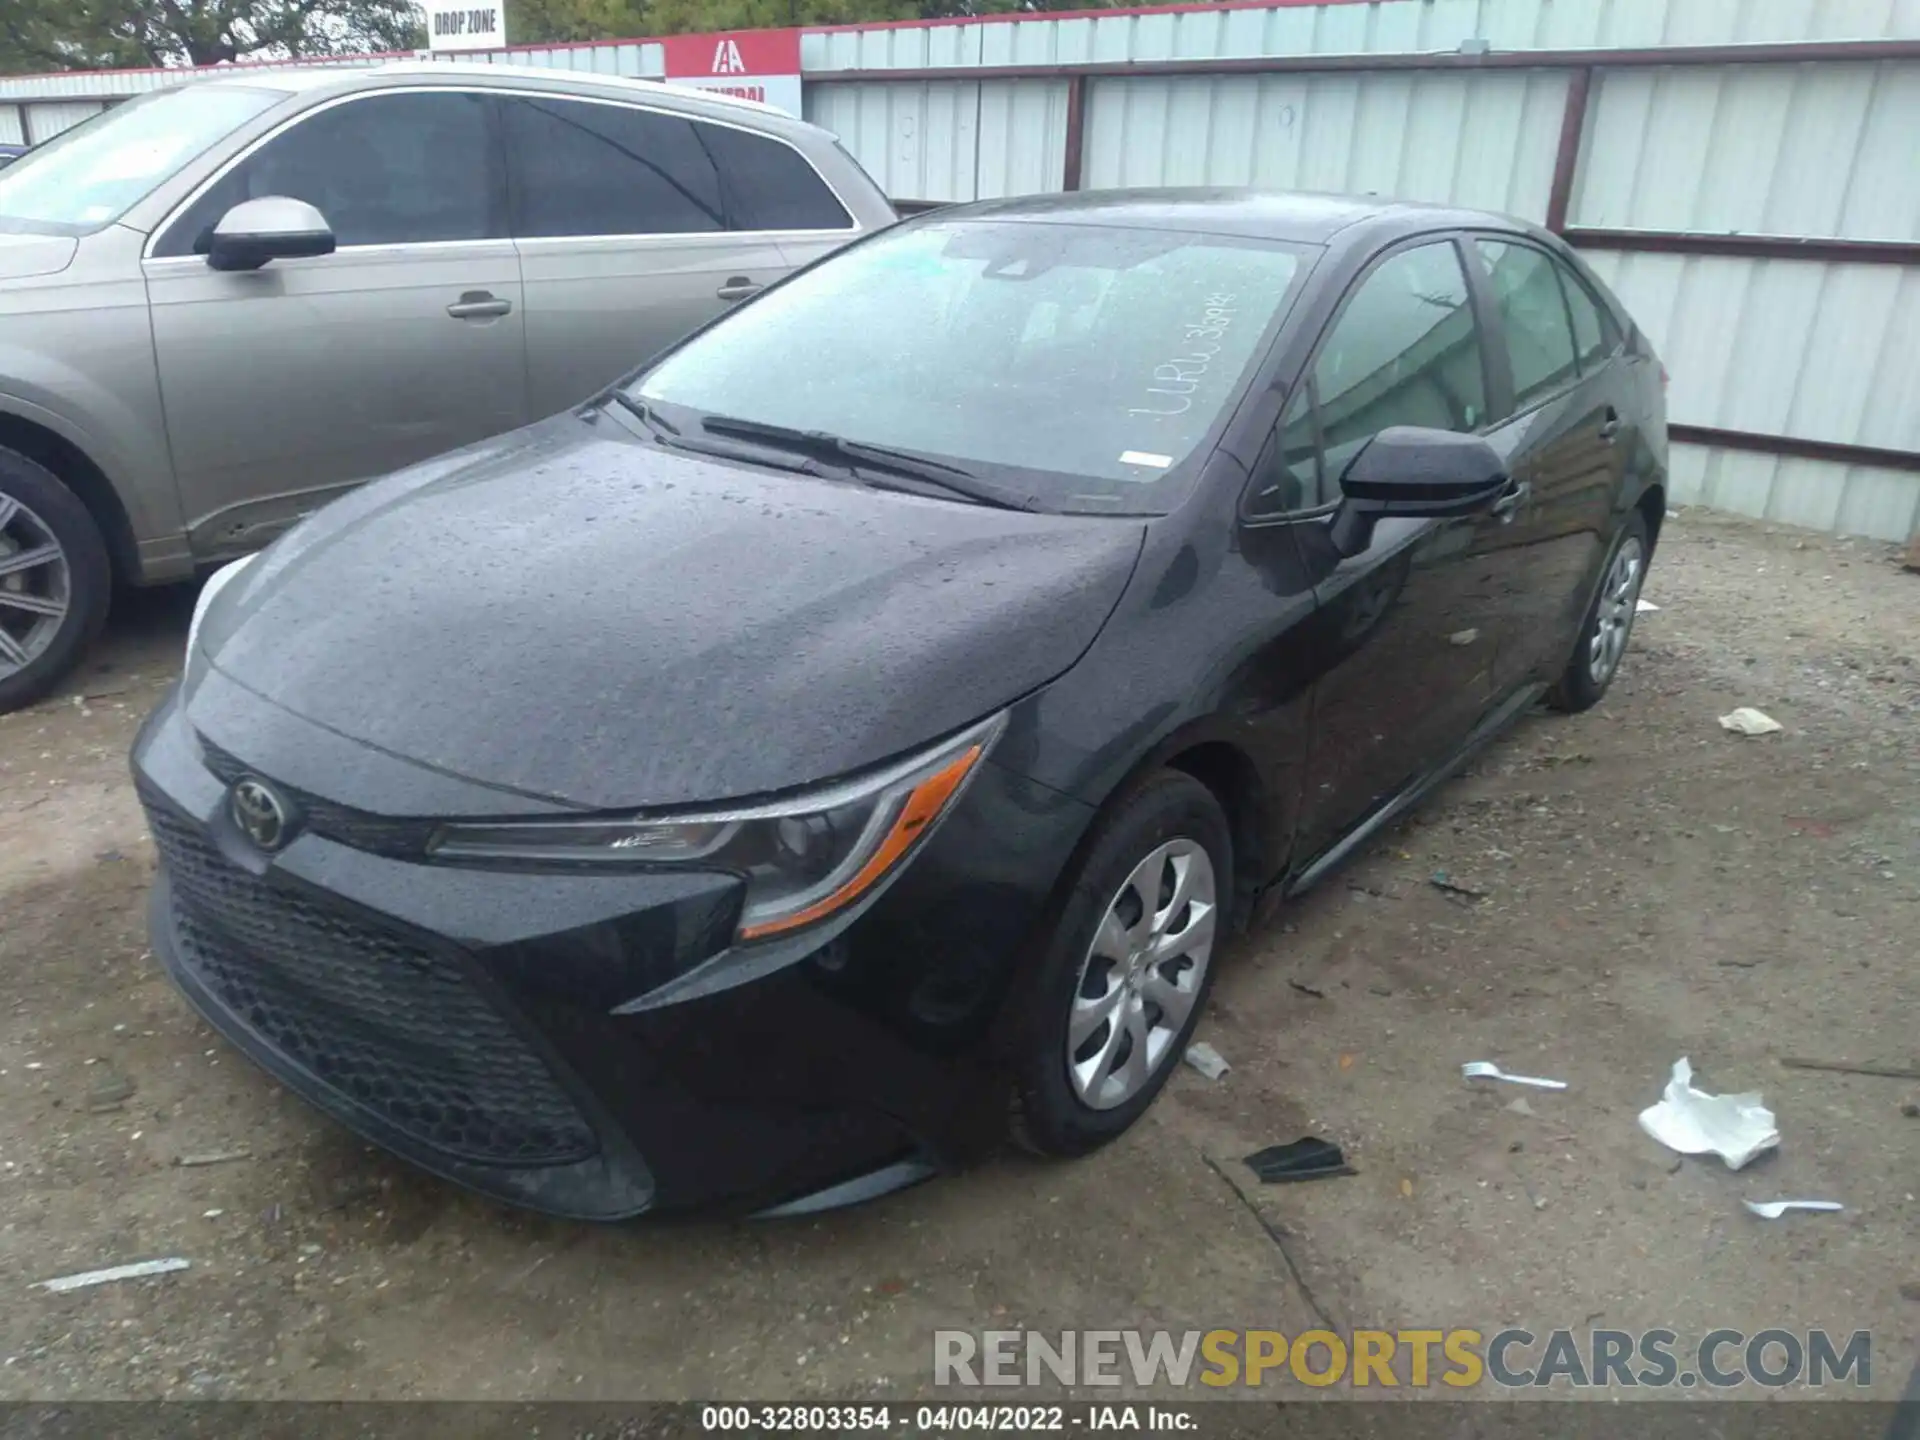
x,y
223,304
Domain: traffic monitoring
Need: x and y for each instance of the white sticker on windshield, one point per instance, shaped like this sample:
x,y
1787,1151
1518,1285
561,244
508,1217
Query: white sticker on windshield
x,y
1142,457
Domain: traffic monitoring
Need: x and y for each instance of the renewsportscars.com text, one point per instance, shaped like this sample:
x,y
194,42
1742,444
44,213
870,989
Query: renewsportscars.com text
x,y
1461,1359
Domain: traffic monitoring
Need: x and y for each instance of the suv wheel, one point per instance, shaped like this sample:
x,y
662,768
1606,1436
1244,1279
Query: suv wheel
x,y
55,581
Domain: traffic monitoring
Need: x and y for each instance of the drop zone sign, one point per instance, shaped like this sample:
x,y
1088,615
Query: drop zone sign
x,y
466,24
761,65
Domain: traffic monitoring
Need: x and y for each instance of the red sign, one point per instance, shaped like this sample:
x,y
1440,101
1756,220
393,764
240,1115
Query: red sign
x,y
733,53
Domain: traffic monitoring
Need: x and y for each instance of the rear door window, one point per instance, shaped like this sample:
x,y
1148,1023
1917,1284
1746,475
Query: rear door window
x,y
770,185
1533,315
581,168
1594,337
383,170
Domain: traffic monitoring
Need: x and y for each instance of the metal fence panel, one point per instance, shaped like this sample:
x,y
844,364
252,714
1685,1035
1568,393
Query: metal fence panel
x,y
1484,139
1806,150
47,118
1814,350
949,139
1373,27
1818,494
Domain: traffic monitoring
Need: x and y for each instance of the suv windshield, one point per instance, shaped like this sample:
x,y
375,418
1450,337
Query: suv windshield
x,y
1090,360
87,177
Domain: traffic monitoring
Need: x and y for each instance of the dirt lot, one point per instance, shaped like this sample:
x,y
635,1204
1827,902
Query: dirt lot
x,y
1653,887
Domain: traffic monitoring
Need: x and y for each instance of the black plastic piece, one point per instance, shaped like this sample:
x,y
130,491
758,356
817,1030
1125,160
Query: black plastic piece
x,y
1308,1159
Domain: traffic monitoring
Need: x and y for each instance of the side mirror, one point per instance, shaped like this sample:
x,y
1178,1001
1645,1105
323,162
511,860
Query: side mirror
x,y
274,227
1413,472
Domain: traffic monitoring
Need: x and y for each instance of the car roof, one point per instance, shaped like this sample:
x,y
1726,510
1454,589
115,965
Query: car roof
x,y
1299,216
298,78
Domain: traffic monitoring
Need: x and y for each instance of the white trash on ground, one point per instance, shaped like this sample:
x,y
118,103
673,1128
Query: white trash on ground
x,y
1749,721
138,1271
1642,607
1734,1127
1207,1060
1774,1209
1487,1070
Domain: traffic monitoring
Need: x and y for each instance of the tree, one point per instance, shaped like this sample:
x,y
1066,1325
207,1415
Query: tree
x,y
97,34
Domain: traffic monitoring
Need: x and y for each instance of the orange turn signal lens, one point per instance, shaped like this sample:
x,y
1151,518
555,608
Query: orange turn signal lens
x,y
923,806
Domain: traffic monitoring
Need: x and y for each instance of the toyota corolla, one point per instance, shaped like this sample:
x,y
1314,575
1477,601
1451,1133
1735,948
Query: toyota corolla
x,y
857,733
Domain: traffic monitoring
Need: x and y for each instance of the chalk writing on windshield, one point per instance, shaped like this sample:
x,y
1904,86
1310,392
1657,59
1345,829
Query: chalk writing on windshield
x,y
1176,380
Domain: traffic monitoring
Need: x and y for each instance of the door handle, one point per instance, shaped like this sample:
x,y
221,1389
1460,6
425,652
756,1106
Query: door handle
x,y
479,305
1507,505
738,287
1610,427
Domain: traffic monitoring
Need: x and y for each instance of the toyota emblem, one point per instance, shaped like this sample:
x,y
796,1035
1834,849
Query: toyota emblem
x,y
263,816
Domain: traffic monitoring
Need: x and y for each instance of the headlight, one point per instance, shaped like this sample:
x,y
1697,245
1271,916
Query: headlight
x,y
804,859
216,582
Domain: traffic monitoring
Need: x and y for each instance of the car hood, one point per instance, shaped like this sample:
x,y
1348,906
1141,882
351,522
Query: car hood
x,y
24,256
573,614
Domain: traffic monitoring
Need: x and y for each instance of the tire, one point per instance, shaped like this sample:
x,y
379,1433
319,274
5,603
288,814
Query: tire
x,y
1586,678
39,645
1174,817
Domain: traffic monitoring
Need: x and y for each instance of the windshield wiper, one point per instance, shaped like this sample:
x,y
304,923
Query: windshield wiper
x,y
673,438
952,479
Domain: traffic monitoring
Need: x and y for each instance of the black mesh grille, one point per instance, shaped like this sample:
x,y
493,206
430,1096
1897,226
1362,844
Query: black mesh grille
x,y
390,1024
381,834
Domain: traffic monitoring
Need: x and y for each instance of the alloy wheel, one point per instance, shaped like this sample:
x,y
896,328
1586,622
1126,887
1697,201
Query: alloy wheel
x,y
36,586
1619,597
1142,974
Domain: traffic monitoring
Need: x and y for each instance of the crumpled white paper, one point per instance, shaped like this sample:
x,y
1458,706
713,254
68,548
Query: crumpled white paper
x,y
1734,1127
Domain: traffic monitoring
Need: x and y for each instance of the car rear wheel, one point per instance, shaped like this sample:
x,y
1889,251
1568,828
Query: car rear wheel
x,y
1126,971
55,581
1609,624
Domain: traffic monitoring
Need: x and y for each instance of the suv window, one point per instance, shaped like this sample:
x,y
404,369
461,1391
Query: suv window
x,y
1593,336
1404,350
770,185
586,169
383,169
1533,313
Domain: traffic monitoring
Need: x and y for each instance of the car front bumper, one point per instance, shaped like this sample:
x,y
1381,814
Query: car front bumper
x,y
519,1032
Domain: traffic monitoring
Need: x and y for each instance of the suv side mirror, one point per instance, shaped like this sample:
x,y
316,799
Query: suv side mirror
x,y
274,227
1414,472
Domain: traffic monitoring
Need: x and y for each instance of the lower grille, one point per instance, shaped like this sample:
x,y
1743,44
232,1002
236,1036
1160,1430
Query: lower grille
x,y
398,1028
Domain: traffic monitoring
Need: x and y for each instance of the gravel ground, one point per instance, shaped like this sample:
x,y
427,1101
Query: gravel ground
x,y
1649,887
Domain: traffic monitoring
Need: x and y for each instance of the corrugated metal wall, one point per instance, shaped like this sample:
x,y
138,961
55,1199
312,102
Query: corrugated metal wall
x,y
1375,27
1474,139
950,139
1828,150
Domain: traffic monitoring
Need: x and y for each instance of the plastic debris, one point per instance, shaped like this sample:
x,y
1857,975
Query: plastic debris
x,y
1207,1060
1642,607
218,1157
1774,1209
89,1278
1734,1127
1306,1159
1748,721
1519,1107
1487,1070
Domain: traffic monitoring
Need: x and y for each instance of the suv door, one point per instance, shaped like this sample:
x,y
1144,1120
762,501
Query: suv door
x,y
284,385
1408,628
636,226
1560,442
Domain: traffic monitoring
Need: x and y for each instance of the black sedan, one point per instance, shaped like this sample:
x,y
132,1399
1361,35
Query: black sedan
x,y
869,721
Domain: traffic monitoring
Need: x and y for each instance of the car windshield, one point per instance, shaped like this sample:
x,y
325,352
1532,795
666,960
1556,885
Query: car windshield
x,y
86,178
1089,361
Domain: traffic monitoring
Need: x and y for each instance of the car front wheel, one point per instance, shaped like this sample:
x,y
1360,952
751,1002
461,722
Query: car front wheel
x,y
55,581
1123,977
